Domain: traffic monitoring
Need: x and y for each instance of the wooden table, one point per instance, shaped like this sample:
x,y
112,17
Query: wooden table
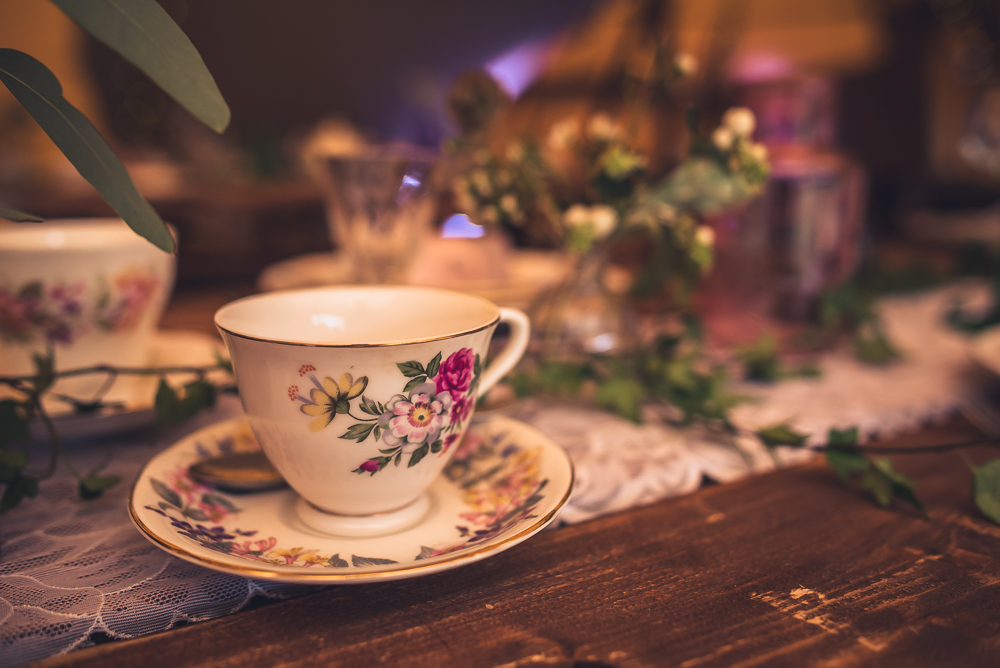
x,y
791,568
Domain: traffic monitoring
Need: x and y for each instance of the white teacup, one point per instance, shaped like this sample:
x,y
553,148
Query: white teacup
x,y
360,395
91,288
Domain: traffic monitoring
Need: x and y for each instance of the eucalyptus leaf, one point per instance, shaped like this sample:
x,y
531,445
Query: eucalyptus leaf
x,y
145,35
986,489
40,93
10,213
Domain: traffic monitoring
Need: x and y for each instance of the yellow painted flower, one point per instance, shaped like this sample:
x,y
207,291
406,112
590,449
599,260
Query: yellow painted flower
x,y
331,397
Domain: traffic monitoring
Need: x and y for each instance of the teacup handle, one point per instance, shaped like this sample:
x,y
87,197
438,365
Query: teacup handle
x,y
520,332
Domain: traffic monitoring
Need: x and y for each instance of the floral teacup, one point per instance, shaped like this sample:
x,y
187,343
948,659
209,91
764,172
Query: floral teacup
x,y
360,395
91,290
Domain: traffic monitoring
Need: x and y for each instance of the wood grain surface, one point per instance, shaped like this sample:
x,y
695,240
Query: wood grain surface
x,y
791,568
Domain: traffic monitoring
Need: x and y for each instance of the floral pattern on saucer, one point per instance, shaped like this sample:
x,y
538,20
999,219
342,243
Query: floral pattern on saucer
x,y
497,485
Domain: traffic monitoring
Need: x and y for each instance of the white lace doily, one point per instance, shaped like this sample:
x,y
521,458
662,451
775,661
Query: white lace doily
x,y
72,573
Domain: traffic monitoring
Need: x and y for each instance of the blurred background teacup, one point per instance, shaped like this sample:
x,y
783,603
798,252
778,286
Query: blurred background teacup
x,y
91,290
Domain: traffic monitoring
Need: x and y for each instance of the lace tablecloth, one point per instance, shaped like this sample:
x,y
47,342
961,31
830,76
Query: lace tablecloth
x,y
73,573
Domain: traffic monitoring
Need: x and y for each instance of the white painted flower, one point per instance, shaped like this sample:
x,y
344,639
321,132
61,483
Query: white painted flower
x,y
722,138
740,121
563,134
705,235
601,127
685,63
481,182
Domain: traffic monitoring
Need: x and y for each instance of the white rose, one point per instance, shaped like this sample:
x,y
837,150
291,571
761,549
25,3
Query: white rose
x,y
705,235
722,138
603,220
740,120
685,63
600,126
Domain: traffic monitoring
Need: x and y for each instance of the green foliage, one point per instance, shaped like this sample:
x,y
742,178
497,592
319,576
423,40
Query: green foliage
x,y
986,489
623,395
39,92
92,486
877,476
174,408
359,431
781,434
760,360
145,35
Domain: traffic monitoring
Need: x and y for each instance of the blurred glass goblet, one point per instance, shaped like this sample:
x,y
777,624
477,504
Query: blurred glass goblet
x,y
379,208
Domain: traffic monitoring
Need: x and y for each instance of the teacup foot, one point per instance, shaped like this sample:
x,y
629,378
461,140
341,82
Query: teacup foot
x,y
359,526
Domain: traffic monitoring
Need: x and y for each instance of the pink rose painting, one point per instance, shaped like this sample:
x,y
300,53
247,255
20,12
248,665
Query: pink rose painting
x,y
455,374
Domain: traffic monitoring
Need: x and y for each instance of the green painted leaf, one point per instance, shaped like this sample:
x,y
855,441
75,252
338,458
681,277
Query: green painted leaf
x,y
369,406
838,437
419,380
40,93
411,368
370,561
434,366
399,457
418,454
436,446
378,432
145,35
477,366
781,434
337,562
219,501
13,426
358,432
986,489
167,494
93,486
10,213
196,514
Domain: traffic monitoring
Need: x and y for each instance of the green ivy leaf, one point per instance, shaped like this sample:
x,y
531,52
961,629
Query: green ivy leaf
x,y
45,371
418,454
40,93
358,432
145,35
842,437
198,395
167,494
93,486
881,475
781,434
411,369
414,382
434,366
21,486
11,464
13,425
846,462
986,489
10,213
165,403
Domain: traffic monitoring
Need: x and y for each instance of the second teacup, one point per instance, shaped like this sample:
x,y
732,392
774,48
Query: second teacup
x,y
359,395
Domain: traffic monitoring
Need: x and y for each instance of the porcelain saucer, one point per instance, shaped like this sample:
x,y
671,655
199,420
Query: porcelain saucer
x,y
131,398
505,483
